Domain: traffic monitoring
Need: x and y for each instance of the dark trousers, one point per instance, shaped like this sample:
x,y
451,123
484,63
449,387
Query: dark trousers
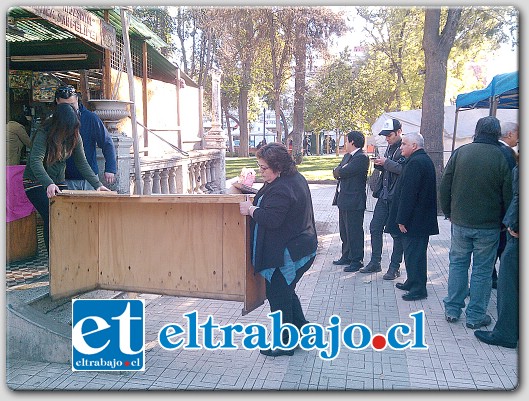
x,y
501,247
352,234
37,196
416,260
507,325
283,297
376,229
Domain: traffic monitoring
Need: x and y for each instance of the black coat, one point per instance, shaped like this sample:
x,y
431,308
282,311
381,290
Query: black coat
x,y
352,178
285,219
415,204
511,218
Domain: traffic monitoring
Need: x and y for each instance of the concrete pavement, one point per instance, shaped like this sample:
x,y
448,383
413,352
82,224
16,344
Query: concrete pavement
x,y
454,360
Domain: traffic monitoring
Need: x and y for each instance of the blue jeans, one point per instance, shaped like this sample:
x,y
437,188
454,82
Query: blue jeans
x,y
480,246
80,185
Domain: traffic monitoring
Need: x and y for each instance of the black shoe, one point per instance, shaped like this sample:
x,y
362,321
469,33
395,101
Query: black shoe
x,y
391,274
410,296
371,268
488,337
402,286
353,267
341,261
451,319
277,352
485,322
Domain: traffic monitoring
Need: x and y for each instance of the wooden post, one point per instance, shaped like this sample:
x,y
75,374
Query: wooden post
x,y
144,97
84,87
130,73
201,114
179,139
107,76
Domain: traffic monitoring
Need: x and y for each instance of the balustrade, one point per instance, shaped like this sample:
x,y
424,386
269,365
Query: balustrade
x,y
167,176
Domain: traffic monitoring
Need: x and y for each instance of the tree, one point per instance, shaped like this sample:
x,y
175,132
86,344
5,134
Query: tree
x,y
436,45
241,32
331,97
441,28
280,35
313,30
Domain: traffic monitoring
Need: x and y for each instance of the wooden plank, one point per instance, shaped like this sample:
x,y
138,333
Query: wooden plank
x,y
74,247
234,250
162,247
21,238
255,286
184,245
88,196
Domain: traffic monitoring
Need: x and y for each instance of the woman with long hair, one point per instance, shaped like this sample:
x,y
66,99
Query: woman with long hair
x,y
44,175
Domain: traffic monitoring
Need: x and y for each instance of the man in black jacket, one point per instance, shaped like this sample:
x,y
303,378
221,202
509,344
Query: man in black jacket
x,y
390,166
414,214
350,198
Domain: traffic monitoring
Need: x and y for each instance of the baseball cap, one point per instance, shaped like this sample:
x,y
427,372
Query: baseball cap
x,y
64,92
390,125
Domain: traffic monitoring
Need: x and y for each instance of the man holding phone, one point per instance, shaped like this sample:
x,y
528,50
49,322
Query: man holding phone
x,y
390,166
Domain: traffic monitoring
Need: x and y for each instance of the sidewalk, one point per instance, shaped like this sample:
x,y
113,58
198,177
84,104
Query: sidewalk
x,y
455,359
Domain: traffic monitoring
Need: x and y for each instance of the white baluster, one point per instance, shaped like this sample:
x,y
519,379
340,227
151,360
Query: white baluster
x,y
164,180
147,183
156,182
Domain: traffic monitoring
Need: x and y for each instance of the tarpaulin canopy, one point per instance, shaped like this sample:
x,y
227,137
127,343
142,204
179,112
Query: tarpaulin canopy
x,y
501,93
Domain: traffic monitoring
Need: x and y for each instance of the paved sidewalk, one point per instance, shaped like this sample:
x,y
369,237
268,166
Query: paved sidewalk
x,y
455,359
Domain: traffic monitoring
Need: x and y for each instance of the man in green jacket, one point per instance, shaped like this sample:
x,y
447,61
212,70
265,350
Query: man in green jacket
x,y
475,191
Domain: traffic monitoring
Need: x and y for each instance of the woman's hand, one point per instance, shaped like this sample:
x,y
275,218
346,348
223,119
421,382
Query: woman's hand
x,y
102,188
244,207
52,190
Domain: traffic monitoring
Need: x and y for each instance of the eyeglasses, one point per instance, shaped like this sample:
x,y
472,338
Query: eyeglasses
x,y
264,168
64,92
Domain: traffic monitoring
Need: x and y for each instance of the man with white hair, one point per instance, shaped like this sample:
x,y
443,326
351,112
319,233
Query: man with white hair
x,y
508,141
413,214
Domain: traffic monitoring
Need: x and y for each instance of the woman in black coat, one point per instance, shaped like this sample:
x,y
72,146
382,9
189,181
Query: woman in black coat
x,y
283,237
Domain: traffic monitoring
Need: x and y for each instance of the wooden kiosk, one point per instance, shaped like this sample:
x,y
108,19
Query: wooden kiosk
x,y
182,245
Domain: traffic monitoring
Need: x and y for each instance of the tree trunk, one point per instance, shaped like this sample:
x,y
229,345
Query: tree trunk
x,y
243,126
300,55
436,51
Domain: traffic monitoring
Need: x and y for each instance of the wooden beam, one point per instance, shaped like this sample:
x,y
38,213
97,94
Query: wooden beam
x,y
145,99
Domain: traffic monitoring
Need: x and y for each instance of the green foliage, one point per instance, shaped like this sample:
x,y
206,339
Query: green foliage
x,y
313,168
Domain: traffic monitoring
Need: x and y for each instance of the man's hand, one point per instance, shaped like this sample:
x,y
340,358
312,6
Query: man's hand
x,y
110,177
402,228
379,161
102,188
513,233
335,173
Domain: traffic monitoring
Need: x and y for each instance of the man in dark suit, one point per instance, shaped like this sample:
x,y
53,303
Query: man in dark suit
x,y
350,198
506,330
414,214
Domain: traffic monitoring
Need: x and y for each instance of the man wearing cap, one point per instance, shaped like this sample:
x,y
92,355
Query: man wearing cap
x,y
94,134
390,166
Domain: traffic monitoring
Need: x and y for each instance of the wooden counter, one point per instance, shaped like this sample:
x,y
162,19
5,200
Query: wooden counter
x,y
182,245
